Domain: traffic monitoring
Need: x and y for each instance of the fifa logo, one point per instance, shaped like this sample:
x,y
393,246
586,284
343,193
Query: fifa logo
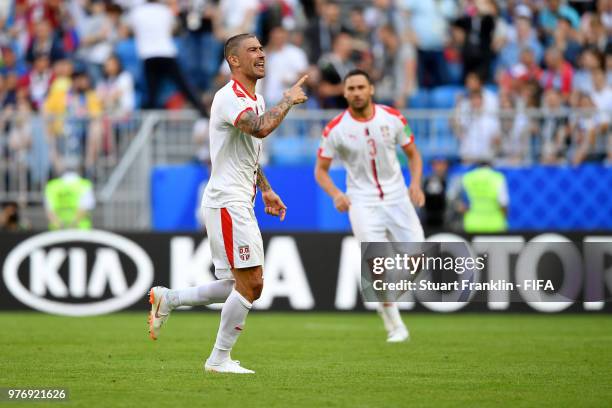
x,y
244,252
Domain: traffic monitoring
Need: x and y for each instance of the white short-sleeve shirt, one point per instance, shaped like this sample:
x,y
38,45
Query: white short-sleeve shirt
x,y
368,150
234,154
152,24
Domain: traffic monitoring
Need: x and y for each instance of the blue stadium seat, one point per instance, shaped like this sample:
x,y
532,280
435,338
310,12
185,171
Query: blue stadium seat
x,y
420,100
444,97
287,150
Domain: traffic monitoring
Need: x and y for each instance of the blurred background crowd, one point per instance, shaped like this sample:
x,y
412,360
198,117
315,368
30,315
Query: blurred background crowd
x,y
522,81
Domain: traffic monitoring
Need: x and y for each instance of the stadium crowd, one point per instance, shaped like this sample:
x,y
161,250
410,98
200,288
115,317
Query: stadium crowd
x,y
78,61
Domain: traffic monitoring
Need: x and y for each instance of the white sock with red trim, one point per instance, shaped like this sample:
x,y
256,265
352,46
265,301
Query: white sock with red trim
x,y
233,315
391,316
211,292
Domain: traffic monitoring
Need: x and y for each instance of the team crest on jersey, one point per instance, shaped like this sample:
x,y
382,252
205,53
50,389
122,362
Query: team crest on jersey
x,y
386,132
244,252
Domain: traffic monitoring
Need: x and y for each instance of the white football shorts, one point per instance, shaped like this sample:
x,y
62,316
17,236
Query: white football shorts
x,y
235,239
386,222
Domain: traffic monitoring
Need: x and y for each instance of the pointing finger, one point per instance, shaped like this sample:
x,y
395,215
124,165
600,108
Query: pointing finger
x,y
301,81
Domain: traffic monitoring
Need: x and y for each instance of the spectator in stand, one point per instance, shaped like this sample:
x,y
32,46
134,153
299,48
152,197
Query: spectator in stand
x,y
20,136
589,60
61,79
322,30
363,35
478,132
11,64
522,37
383,12
604,10
116,90
608,64
38,80
477,51
237,16
553,127
594,32
474,84
601,95
558,73
334,67
285,63
515,131
8,91
10,218
50,11
584,127
525,71
46,42
564,39
552,12
76,122
153,24
201,46
97,36
395,69
274,13
428,27
434,187
503,29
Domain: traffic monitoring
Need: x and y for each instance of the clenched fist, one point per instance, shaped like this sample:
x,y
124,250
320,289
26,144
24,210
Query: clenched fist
x,y
342,202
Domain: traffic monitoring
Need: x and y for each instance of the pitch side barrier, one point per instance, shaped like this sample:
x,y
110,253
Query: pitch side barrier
x,y
80,273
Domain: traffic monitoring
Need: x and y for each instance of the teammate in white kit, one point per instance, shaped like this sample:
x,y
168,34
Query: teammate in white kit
x,y
237,125
365,138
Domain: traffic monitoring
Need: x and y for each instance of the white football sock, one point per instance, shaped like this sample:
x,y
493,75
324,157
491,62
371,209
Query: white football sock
x,y
211,292
233,316
386,321
391,316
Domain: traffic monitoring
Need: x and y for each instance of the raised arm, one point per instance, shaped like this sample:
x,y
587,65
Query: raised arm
x,y
262,126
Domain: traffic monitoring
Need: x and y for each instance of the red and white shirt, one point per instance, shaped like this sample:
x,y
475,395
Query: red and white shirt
x,y
367,147
234,154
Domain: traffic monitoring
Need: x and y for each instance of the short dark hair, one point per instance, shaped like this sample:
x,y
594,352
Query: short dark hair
x,y
232,44
356,72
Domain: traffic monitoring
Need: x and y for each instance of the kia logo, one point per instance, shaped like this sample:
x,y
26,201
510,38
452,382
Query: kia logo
x,y
48,252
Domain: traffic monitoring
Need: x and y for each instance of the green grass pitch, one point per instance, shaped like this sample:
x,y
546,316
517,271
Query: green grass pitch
x,y
315,360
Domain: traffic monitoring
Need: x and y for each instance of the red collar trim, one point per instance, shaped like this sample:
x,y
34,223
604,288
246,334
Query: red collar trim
x,y
361,119
244,89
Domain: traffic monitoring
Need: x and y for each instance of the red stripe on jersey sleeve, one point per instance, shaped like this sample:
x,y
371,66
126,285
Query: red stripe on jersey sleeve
x,y
240,114
395,112
332,124
321,155
410,140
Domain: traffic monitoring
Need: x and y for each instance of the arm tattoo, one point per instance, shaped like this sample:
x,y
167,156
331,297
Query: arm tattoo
x,y
262,126
262,181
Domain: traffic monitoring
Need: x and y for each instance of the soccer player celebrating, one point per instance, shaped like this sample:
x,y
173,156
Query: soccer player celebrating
x,y
237,126
365,137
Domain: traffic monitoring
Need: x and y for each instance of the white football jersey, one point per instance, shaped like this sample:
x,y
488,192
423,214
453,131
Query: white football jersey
x,y
234,154
368,150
